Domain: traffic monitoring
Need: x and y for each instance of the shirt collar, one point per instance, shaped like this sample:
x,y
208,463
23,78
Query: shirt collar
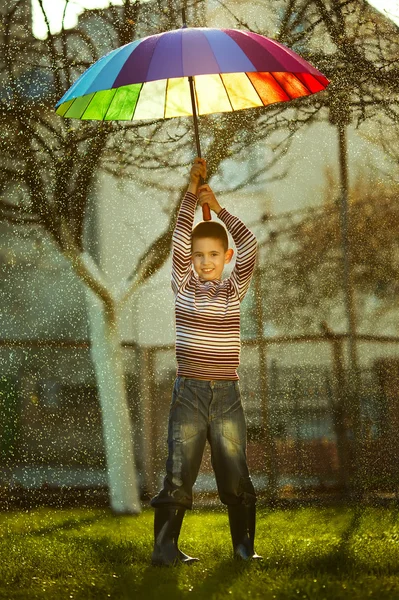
x,y
209,280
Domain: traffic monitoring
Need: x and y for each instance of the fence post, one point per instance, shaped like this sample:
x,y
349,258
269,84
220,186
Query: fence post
x,y
10,422
388,377
338,407
267,433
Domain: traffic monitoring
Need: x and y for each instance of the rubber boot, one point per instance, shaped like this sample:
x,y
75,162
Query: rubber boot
x,y
167,526
242,528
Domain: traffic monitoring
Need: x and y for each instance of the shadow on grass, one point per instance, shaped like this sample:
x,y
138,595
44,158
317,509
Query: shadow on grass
x,y
223,577
186,581
215,581
131,574
341,561
129,571
69,523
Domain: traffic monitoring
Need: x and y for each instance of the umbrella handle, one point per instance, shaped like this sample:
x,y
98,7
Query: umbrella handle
x,y
206,212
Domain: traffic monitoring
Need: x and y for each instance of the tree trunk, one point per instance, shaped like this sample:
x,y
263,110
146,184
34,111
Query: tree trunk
x,y
148,409
106,352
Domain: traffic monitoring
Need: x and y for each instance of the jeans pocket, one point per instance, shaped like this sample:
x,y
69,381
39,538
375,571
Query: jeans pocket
x,y
233,423
177,389
183,416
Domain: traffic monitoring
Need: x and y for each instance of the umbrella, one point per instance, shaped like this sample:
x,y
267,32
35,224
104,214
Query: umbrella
x,y
188,72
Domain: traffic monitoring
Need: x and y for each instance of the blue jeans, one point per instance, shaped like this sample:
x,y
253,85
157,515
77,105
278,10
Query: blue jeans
x,y
200,410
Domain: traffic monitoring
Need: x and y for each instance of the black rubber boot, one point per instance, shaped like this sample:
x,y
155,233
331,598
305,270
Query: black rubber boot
x,y
242,527
167,526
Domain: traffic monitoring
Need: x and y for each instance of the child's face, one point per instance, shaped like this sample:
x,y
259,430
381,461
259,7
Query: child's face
x,y
208,257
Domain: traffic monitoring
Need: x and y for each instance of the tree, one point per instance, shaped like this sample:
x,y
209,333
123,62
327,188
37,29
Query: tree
x,y
305,266
49,167
54,165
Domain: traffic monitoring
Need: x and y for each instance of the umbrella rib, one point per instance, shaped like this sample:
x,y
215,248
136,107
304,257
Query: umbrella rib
x,y
225,89
281,87
302,83
256,91
137,102
75,100
152,56
87,105
166,98
196,95
70,106
109,105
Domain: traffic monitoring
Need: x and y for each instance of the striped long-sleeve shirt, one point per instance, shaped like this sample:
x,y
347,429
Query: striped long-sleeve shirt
x,y
207,313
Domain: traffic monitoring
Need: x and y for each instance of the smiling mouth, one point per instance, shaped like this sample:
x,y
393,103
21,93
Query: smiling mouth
x,y
207,271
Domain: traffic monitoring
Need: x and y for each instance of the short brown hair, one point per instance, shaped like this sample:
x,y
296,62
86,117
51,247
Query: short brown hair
x,y
210,229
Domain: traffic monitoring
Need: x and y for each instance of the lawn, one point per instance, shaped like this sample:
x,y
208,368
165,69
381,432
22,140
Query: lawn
x,y
320,553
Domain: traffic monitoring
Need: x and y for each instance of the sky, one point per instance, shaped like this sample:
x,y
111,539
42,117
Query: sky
x,y
388,7
55,8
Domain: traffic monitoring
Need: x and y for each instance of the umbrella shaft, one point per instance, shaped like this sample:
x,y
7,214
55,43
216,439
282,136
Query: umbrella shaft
x,y
197,141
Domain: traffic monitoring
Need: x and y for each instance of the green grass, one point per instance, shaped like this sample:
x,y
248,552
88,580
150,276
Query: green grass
x,y
312,553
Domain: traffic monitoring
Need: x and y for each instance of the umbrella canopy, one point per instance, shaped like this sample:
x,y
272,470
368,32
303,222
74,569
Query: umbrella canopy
x,y
188,72
149,78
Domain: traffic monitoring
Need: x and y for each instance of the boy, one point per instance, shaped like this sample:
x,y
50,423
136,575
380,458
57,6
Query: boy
x,y
206,401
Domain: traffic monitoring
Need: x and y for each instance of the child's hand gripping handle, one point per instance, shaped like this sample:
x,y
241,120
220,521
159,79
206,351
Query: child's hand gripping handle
x,y
197,177
206,211
206,198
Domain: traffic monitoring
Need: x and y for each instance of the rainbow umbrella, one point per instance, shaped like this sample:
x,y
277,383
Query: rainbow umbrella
x,y
188,72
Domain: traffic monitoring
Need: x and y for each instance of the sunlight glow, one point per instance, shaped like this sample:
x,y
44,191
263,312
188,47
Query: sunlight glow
x,y
55,8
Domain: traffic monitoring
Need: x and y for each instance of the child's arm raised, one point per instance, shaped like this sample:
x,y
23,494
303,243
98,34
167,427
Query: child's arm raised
x,y
243,238
181,239
246,244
